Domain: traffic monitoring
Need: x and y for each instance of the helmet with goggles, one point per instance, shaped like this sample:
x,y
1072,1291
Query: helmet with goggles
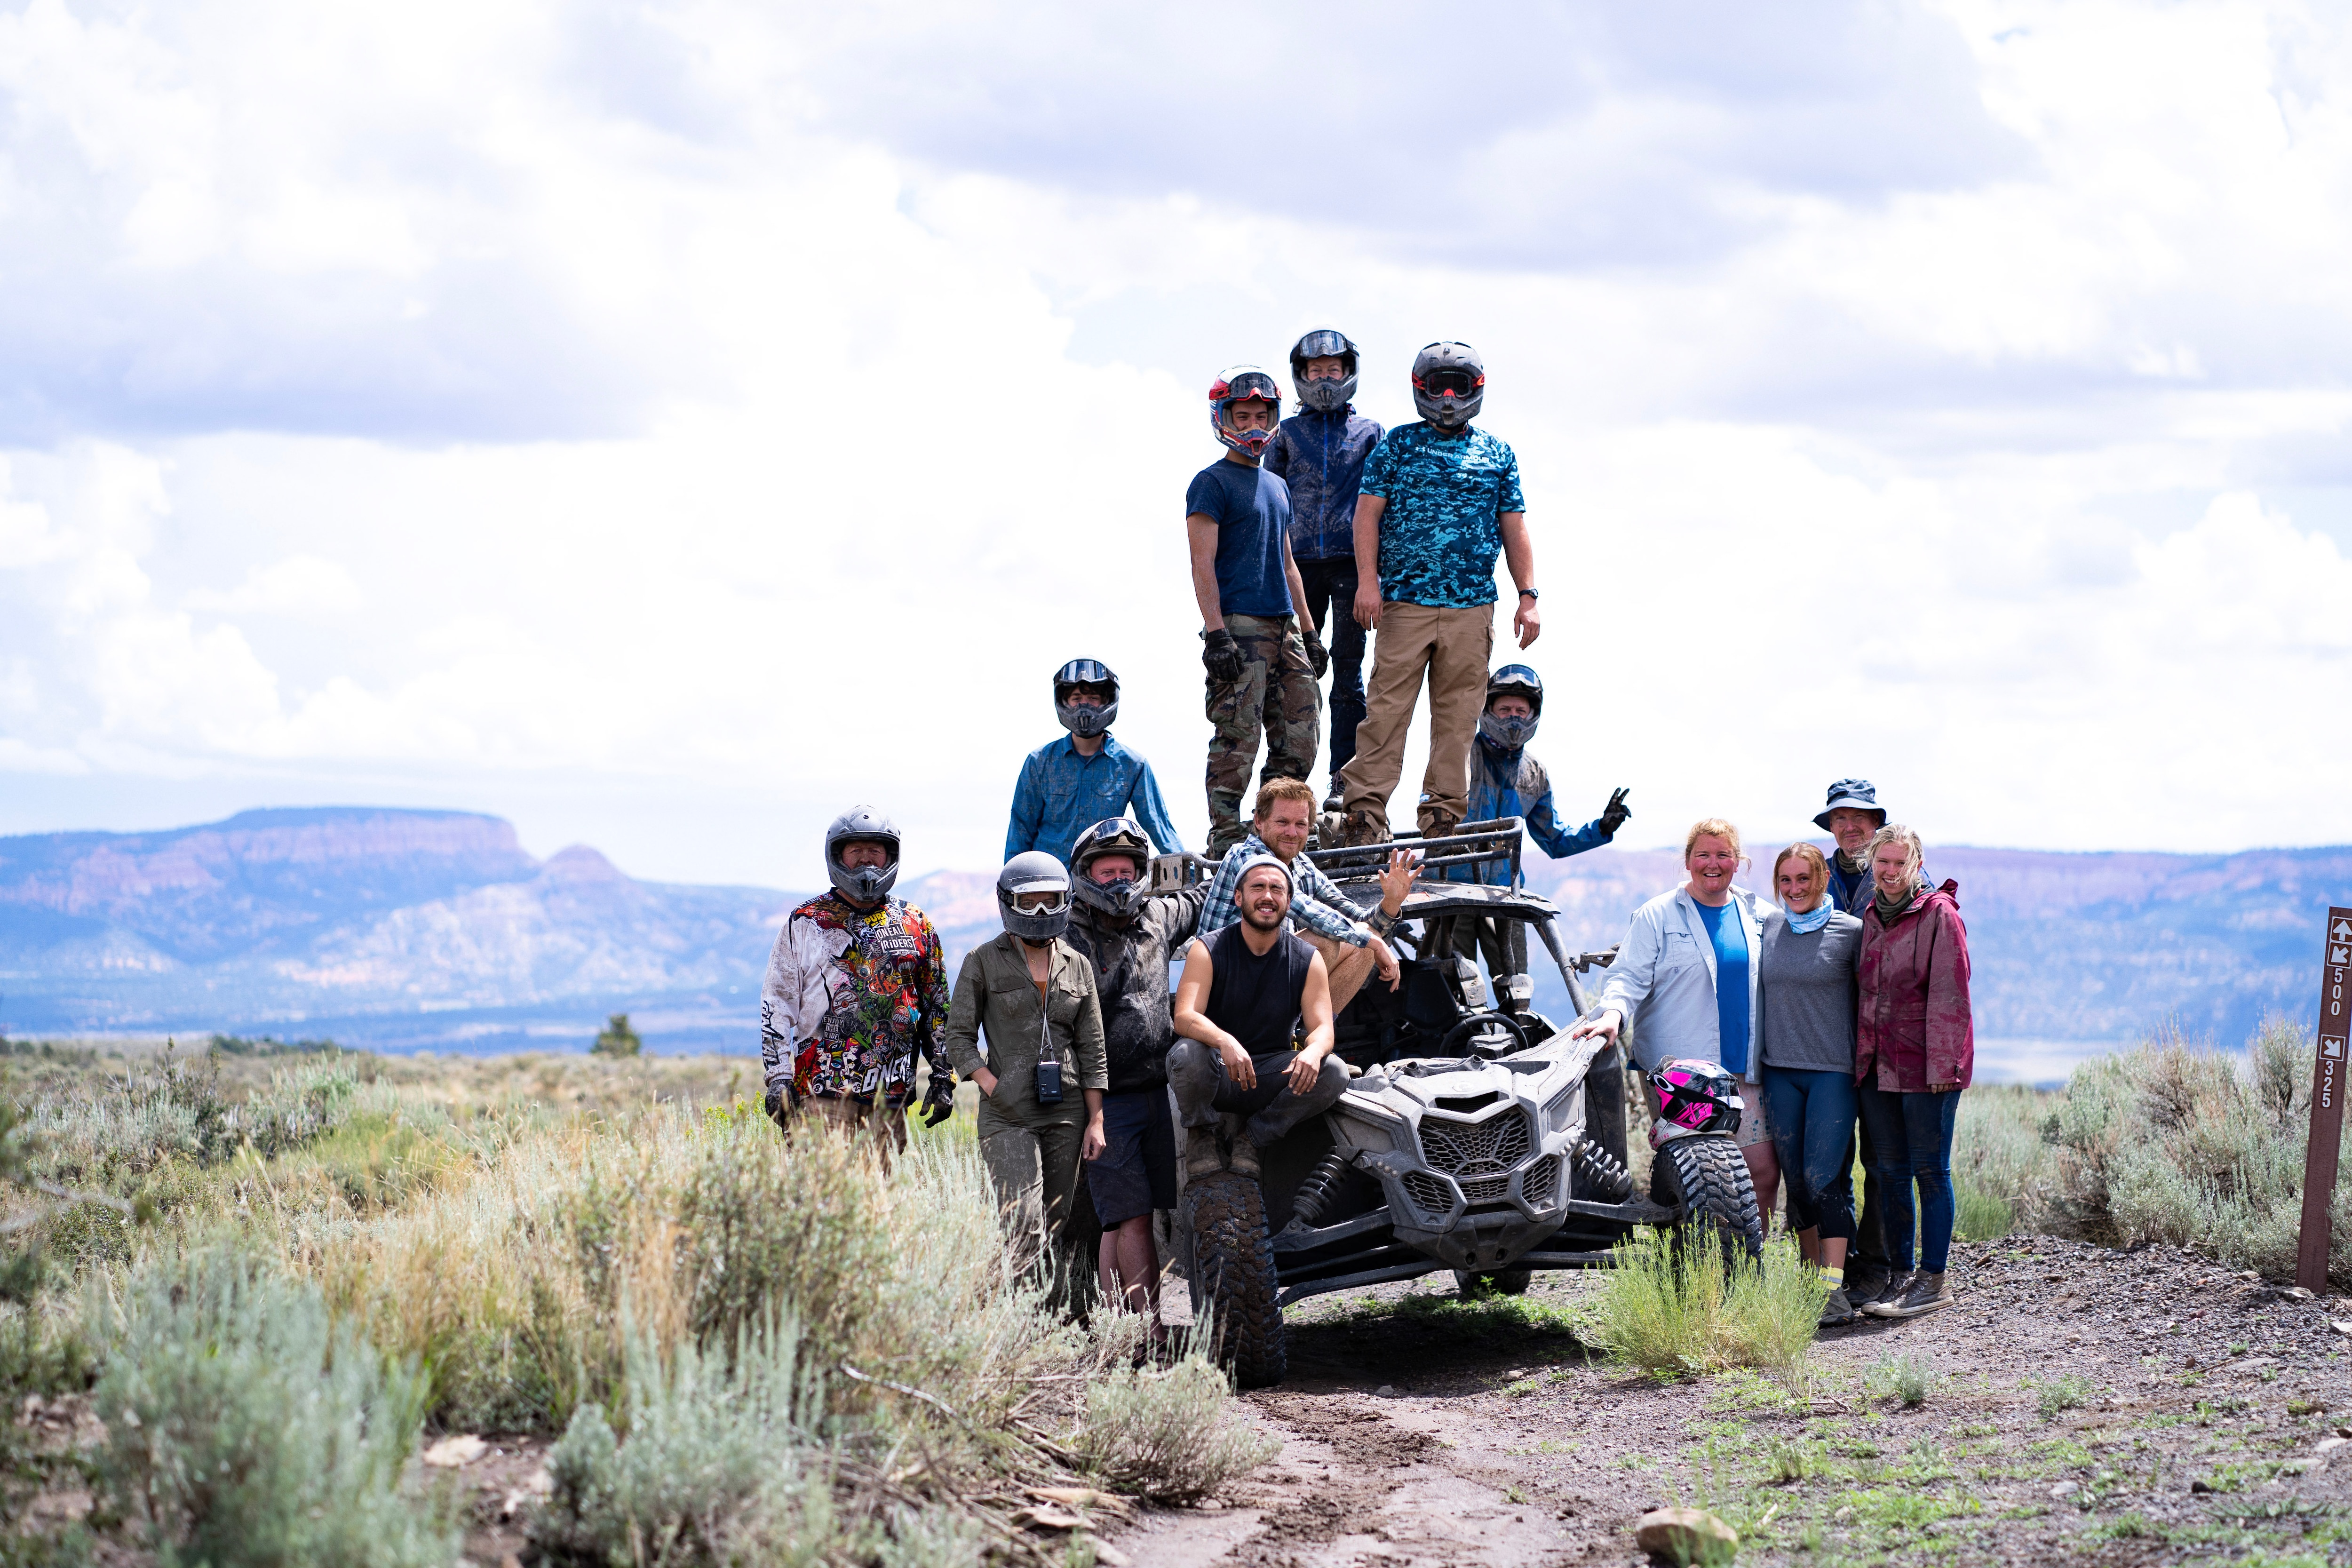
x,y
1118,836
1033,894
1693,1097
1331,393
1092,677
1239,384
1449,385
1512,680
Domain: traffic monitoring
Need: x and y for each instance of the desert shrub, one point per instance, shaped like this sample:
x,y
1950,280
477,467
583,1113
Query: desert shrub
x,y
721,1464
1907,1379
1169,1433
1683,1309
242,1428
178,1110
1999,1163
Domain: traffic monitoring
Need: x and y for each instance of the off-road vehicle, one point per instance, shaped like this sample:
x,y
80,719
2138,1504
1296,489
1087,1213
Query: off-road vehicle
x,y
1476,1137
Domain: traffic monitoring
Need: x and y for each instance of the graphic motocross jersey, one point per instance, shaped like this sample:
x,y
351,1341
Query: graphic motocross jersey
x,y
851,996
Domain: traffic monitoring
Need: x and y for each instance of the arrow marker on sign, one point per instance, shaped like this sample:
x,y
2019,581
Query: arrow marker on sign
x,y
2343,929
2339,956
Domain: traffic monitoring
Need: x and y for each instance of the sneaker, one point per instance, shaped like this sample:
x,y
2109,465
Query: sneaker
x,y
1897,1283
1865,1281
1336,802
1838,1311
1926,1293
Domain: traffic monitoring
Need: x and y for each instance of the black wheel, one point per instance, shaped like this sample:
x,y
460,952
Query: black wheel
x,y
1234,1286
1501,1282
1709,1177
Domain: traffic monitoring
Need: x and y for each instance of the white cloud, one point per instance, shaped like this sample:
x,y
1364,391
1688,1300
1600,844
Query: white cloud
x,y
678,421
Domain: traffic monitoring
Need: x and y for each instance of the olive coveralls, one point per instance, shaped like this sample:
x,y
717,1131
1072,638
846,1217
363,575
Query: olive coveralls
x,y
1031,1150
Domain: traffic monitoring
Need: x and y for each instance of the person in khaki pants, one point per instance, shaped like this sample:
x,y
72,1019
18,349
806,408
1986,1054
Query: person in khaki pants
x,y
1438,502
1041,1082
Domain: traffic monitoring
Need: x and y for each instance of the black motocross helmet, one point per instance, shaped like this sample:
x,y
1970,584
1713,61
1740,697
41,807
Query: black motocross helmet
x,y
1324,396
1512,680
1449,385
1113,836
1079,720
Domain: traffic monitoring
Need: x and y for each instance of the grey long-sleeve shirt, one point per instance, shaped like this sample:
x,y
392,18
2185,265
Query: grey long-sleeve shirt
x,y
1806,989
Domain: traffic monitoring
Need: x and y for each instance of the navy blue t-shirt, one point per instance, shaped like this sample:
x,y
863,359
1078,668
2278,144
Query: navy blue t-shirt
x,y
1252,511
1730,937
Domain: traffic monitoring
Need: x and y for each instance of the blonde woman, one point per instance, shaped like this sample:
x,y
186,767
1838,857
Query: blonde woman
x,y
1915,1051
1687,975
1805,983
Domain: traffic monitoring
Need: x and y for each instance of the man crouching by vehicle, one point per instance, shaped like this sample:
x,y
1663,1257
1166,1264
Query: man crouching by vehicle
x,y
1041,1084
1131,935
1245,991
856,988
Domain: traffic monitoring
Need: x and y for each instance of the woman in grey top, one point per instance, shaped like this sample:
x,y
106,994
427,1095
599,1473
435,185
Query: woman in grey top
x,y
1806,1025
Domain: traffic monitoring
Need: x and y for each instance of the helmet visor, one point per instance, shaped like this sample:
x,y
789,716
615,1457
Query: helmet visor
x,y
1450,381
1085,672
1252,383
1323,344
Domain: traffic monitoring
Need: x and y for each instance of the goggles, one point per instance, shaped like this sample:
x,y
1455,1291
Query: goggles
x,y
1085,672
1323,344
1450,381
1249,383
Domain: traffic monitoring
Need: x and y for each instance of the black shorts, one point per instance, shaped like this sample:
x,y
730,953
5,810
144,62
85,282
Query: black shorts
x,y
1137,1172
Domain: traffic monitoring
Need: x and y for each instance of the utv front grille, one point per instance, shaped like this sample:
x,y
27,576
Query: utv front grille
x,y
1540,1185
1489,1148
1428,1193
1486,1190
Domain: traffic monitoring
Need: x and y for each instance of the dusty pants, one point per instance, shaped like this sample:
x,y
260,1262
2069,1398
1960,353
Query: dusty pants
x,y
1196,1072
1451,647
1032,1154
1275,700
884,1124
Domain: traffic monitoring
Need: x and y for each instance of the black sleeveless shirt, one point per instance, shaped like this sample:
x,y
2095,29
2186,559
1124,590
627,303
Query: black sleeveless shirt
x,y
1255,999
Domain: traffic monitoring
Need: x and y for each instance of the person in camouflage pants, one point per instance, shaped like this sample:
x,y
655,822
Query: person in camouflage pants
x,y
1275,698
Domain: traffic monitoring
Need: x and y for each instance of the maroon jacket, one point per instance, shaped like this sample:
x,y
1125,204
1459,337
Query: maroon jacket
x,y
1915,1025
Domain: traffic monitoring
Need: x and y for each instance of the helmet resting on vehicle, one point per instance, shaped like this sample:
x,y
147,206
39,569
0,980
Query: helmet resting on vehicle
x,y
1695,1096
1033,871
1324,396
1237,385
1114,835
1449,384
1080,718
1512,680
866,883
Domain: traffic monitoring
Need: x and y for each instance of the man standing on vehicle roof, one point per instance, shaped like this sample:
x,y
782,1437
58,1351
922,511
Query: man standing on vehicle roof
x,y
1263,663
1506,780
1130,936
856,989
1439,499
1239,1086
1319,453
1084,776
1853,817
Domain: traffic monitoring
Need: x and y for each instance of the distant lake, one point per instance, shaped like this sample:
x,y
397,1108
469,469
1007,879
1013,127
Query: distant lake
x,y
2046,1063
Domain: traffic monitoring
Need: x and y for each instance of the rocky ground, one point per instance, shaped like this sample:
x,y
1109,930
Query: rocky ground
x,y
2077,1405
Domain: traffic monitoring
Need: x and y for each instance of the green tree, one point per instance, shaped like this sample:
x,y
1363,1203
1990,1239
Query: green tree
x,y
618,1040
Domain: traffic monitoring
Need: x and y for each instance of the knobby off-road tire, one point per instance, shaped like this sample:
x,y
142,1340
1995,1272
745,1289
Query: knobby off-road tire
x,y
1234,1286
1710,1176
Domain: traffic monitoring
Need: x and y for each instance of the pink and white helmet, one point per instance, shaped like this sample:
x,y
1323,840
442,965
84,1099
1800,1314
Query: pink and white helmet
x,y
1695,1096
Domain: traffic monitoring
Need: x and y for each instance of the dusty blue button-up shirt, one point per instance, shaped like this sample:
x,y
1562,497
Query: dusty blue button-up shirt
x,y
1062,793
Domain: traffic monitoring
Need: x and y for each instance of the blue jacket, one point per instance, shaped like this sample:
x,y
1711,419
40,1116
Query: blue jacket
x,y
1513,783
1321,458
1853,894
1062,793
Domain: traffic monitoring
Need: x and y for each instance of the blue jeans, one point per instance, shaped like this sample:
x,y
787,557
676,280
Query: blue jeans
x,y
1911,1137
1330,600
1812,1130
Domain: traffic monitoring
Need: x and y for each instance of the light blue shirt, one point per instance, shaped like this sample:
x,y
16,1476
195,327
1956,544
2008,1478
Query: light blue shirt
x,y
1062,793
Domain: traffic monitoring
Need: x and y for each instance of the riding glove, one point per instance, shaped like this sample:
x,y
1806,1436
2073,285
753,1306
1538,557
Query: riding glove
x,y
1222,656
1616,814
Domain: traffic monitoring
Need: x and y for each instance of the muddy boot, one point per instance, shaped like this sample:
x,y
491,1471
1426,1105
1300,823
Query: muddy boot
x,y
1204,1155
1241,1155
1366,826
1926,1293
1839,1311
1896,1284
1438,825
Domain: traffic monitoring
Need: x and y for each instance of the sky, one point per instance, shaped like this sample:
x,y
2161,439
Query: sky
x,y
665,426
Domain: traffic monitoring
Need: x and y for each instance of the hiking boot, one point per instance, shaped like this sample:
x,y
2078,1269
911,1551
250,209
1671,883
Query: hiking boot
x,y
1926,1293
1437,824
1896,1284
1839,1311
1865,1281
1366,827
1202,1154
1234,1140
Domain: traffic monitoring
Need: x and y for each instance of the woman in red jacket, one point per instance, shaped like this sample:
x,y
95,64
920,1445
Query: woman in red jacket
x,y
1915,1049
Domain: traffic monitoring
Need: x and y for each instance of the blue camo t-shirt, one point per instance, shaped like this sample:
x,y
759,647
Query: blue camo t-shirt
x,y
1251,508
1442,529
1730,937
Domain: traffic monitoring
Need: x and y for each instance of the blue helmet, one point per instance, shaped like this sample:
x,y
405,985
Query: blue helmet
x,y
1512,680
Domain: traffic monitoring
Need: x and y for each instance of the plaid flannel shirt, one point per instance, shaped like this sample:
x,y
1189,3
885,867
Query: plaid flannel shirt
x,y
1316,902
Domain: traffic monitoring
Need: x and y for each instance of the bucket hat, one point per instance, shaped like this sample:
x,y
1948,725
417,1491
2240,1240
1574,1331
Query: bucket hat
x,y
1859,793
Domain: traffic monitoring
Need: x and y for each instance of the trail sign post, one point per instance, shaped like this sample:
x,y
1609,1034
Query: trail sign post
x,y
2326,1099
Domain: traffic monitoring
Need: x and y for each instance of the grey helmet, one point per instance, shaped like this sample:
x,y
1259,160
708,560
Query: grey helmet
x,y
868,883
1079,720
1122,901
1513,681
1323,396
1449,382
1033,871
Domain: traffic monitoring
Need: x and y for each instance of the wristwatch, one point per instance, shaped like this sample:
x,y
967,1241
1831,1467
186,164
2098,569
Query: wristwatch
x,y
1529,593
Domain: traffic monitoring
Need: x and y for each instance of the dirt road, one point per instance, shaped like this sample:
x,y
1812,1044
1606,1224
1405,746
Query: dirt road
x,y
2078,1404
